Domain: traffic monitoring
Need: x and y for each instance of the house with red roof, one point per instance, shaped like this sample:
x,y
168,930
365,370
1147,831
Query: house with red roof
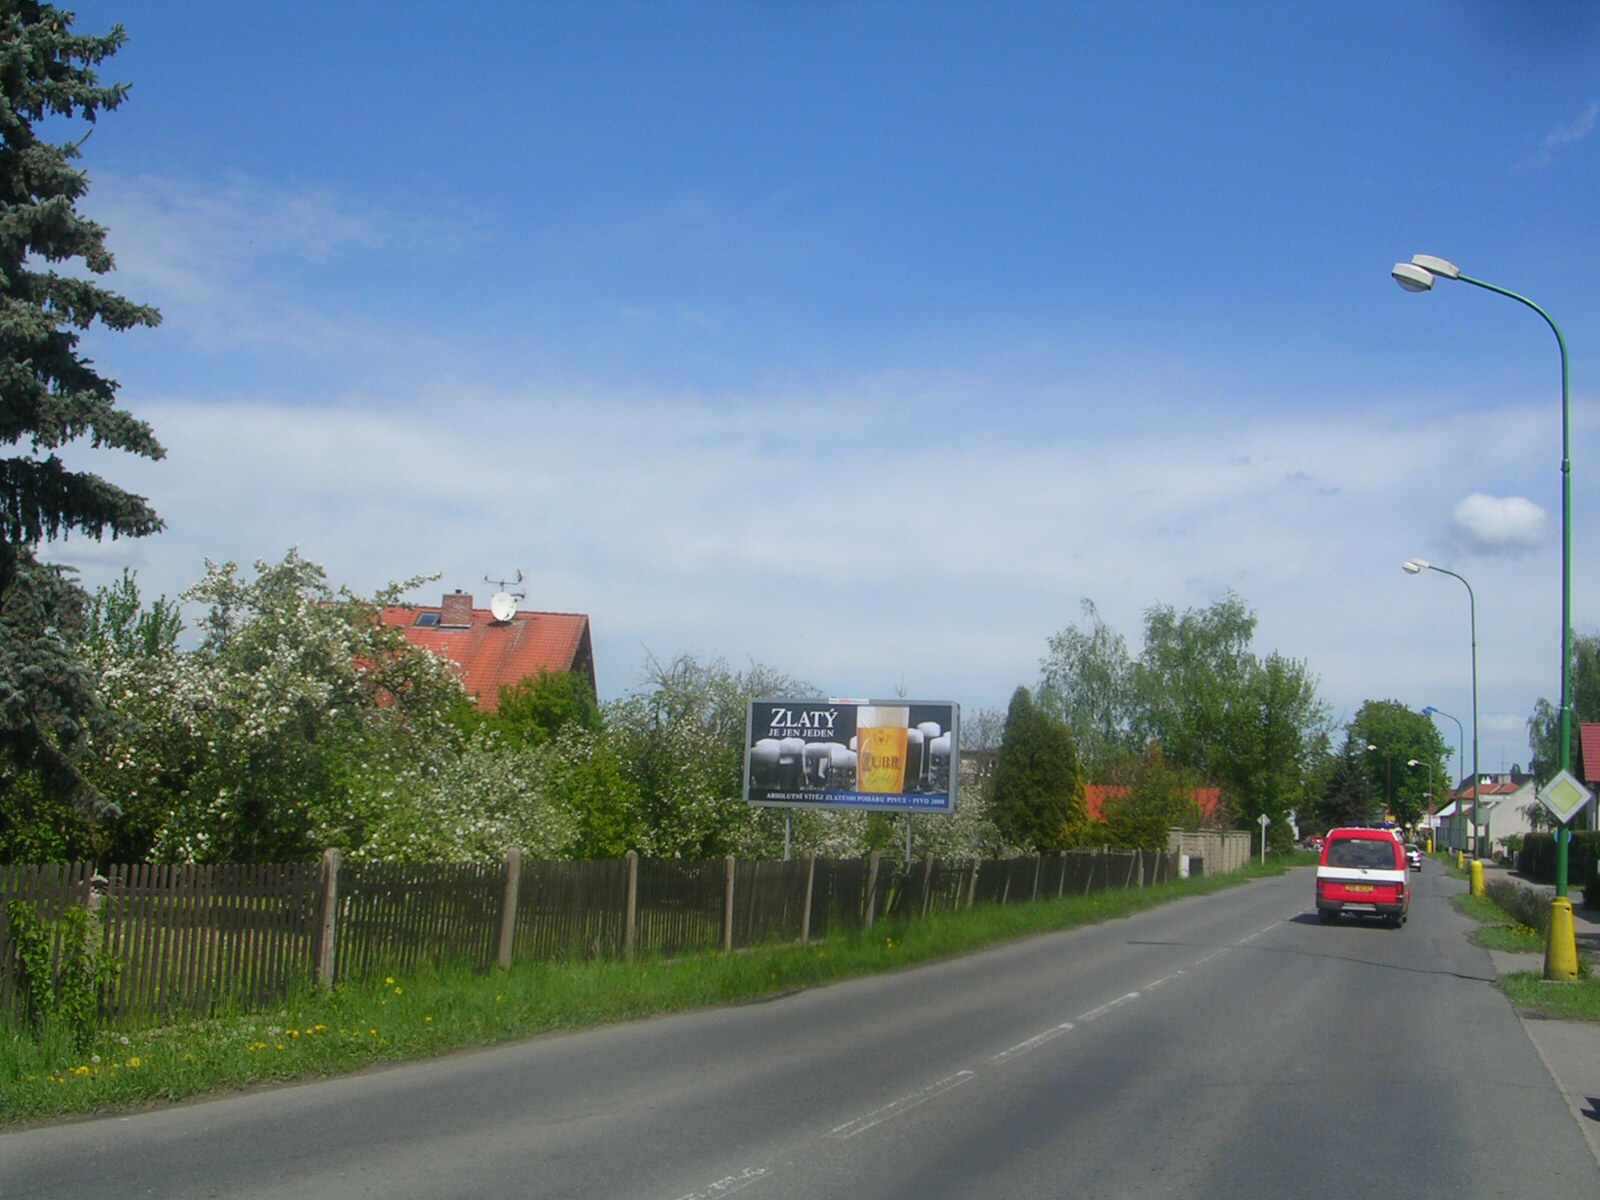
x,y
492,653
1503,803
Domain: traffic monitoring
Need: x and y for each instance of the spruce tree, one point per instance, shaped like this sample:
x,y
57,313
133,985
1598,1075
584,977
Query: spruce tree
x,y
50,394
1038,794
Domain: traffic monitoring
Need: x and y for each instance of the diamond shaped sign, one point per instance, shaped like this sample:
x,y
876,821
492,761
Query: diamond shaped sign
x,y
1564,796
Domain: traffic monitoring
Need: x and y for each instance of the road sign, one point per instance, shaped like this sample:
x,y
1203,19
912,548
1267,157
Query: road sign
x,y
1564,796
1263,820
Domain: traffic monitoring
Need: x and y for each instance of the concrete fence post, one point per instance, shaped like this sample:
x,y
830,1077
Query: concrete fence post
x,y
872,889
805,913
927,884
630,922
328,935
1038,864
727,905
972,884
508,907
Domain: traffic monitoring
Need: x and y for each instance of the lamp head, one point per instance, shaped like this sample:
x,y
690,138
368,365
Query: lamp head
x,y
1412,277
1371,746
1436,266
1414,762
1414,566
1429,711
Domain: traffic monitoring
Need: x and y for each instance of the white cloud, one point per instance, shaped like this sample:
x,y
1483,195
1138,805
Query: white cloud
x,y
226,264
1559,138
855,561
1500,524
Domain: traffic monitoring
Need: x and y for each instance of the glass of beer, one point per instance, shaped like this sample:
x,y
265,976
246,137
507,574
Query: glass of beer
x,y
881,734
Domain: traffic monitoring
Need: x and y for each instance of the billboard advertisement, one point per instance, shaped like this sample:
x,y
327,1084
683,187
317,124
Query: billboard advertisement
x,y
888,755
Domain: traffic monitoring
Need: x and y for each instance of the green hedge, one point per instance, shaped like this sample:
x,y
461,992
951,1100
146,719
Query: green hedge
x,y
1537,858
1529,907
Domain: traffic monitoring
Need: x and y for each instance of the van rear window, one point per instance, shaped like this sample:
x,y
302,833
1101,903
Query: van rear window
x,y
1363,852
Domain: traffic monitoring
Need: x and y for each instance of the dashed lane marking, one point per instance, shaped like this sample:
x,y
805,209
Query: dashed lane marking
x,y
1032,1043
895,1107
728,1185
1107,1007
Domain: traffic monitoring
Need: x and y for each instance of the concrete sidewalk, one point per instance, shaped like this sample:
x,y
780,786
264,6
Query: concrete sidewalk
x,y
1570,1049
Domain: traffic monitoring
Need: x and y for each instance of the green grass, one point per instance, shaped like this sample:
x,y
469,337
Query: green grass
x,y
319,1034
1575,1001
1498,929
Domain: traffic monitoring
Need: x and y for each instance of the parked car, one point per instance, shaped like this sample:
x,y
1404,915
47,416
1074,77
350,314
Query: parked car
x,y
1414,857
1363,872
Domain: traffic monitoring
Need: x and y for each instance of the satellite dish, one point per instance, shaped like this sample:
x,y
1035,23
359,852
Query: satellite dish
x,y
503,605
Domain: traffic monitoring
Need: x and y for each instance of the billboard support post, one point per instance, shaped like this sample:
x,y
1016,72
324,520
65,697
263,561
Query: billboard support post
x,y
727,905
872,888
788,834
805,913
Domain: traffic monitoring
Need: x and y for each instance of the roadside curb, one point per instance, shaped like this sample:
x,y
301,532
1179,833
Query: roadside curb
x,y
1575,1046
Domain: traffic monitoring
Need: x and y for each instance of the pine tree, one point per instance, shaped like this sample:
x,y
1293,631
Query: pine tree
x,y
50,394
1038,794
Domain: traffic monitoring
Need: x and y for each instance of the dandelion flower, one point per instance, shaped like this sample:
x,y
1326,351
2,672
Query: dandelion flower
x,y
399,991
427,1020
135,1063
388,981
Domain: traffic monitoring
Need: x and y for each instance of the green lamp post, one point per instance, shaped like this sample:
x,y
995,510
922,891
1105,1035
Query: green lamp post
x,y
1418,275
1461,741
1415,566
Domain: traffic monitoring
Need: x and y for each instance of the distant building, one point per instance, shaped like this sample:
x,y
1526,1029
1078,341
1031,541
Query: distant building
x,y
1503,798
491,653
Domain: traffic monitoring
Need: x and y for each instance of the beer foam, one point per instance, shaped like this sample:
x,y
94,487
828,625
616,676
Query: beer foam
x,y
892,716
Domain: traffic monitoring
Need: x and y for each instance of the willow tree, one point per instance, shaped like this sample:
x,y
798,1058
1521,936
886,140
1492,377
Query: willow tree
x,y
51,396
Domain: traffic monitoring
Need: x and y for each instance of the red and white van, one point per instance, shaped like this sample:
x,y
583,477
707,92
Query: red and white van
x,y
1363,871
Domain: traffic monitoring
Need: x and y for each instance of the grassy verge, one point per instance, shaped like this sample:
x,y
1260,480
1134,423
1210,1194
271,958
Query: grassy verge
x,y
389,1020
1498,929
1532,993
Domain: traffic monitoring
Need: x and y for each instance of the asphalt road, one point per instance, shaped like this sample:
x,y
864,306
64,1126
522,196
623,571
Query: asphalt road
x,y
1223,1046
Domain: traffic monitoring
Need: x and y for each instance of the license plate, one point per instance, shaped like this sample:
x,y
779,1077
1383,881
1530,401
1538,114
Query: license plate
x,y
1359,887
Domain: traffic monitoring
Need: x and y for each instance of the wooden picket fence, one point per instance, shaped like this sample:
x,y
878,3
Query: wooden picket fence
x,y
202,939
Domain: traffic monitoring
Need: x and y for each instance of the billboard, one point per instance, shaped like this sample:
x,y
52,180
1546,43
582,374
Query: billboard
x,y
888,755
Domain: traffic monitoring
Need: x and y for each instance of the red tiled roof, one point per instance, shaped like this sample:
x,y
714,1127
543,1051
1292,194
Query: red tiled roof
x,y
495,654
1589,742
1488,789
1095,796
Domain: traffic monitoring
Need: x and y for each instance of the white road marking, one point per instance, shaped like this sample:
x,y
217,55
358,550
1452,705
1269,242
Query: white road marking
x,y
728,1185
1105,1008
1032,1043
893,1109
1154,984
1252,937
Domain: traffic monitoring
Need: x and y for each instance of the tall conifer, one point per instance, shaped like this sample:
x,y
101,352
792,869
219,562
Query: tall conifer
x,y
50,394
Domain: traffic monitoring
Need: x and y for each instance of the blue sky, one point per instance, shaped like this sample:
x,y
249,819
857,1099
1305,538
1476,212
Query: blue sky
x,y
864,339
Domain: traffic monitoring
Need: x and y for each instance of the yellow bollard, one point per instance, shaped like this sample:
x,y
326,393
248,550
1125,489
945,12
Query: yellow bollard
x,y
1461,861
1477,877
1561,950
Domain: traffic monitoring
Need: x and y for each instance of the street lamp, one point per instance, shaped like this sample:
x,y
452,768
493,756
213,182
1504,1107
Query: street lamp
x,y
1418,276
1415,566
1417,762
1388,779
1461,740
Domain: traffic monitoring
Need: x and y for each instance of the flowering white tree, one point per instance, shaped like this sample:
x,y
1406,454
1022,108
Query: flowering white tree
x,y
265,742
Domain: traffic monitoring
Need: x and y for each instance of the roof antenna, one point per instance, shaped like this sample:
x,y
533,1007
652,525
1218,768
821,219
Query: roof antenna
x,y
503,604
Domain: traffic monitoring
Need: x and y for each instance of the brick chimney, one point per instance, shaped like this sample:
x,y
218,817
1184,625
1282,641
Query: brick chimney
x,y
456,610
